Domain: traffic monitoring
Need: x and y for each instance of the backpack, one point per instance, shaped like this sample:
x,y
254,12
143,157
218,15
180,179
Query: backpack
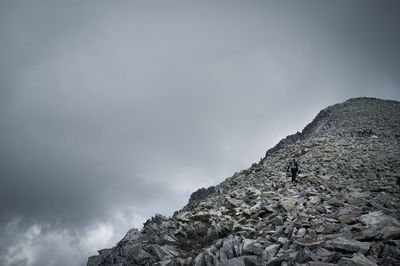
x,y
292,164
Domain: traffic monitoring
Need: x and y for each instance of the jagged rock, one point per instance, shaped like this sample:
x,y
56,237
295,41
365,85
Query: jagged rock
x,y
233,203
200,194
269,253
278,220
251,247
131,236
288,203
163,252
390,232
308,242
302,257
242,261
143,256
336,202
200,260
94,261
282,240
389,255
344,209
183,216
167,263
347,245
301,233
378,218
314,200
230,248
279,259
358,259
314,263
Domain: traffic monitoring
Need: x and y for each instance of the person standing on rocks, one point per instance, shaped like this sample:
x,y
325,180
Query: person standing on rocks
x,y
294,168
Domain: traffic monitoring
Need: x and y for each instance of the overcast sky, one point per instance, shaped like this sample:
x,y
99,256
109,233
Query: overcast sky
x,y
112,111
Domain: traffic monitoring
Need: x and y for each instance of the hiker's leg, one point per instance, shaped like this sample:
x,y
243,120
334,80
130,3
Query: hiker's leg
x,y
293,175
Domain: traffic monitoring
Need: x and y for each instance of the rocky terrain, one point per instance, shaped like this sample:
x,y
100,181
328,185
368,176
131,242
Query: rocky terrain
x,y
344,210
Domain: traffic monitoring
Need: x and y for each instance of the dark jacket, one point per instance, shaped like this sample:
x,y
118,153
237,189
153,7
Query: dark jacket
x,y
293,165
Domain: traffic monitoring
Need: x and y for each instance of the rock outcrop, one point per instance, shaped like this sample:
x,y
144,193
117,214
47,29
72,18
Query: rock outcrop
x,y
344,210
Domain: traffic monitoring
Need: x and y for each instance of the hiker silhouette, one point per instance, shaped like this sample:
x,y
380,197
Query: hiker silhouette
x,y
294,168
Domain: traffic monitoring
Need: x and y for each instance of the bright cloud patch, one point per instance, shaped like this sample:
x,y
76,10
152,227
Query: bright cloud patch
x,y
41,245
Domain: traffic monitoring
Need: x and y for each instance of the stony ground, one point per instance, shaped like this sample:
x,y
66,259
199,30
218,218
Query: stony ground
x,y
344,209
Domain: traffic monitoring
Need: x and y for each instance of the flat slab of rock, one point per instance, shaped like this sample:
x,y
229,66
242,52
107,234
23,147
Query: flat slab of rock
x,y
348,245
288,203
308,242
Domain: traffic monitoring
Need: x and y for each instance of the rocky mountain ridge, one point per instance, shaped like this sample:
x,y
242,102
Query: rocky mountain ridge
x,y
343,211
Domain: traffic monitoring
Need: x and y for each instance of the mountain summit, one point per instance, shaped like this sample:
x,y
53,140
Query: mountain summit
x,y
344,209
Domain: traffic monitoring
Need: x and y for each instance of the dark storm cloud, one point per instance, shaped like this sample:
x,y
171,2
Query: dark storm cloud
x,y
112,111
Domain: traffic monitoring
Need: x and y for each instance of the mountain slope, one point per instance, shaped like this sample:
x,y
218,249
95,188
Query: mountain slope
x,y
344,209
